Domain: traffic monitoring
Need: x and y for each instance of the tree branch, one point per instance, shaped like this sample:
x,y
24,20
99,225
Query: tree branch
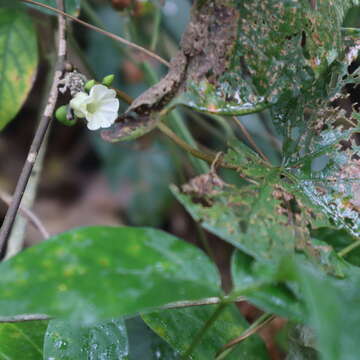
x,y
28,214
39,135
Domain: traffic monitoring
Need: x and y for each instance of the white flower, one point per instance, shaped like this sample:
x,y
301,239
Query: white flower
x,y
99,107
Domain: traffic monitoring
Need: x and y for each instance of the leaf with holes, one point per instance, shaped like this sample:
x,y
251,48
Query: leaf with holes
x,y
18,61
266,218
95,273
240,57
20,338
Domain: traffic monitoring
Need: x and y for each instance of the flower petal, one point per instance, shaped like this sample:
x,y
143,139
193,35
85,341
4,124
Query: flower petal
x,y
79,104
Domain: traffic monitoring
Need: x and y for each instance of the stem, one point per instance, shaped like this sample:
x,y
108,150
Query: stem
x,y
198,337
195,152
349,248
39,135
263,320
156,29
27,214
174,305
249,138
101,31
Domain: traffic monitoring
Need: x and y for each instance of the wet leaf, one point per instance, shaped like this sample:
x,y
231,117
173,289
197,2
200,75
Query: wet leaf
x,y
328,169
170,325
65,340
146,344
96,273
20,338
18,61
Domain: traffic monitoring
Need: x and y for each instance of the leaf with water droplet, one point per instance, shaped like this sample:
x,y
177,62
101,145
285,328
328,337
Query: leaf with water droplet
x,y
65,340
96,273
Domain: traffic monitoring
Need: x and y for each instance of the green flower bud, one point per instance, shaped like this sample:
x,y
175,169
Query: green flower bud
x,y
89,85
62,115
108,80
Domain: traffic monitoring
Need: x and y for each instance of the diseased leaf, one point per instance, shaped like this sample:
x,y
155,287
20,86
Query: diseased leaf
x,y
265,219
20,338
170,325
328,168
65,340
96,273
18,61
242,57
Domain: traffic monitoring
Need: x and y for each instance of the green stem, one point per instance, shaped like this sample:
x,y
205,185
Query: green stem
x,y
263,320
349,248
198,337
156,28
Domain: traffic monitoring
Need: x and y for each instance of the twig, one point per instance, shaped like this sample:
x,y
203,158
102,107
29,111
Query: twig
x,y
249,138
101,31
195,152
174,305
39,135
262,321
28,214
202,302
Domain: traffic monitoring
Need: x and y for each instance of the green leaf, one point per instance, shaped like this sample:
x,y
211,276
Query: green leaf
x,y
96,273
18,61
265,219
335,302
267,294
145,344
20,338
170,325
72,7
65,340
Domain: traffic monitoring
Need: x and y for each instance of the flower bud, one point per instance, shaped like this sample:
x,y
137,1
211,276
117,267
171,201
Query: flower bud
x,y
108,80
89,85
61,115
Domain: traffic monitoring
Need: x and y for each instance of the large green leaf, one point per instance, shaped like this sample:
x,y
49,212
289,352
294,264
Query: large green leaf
x,y
170,325
333,310
65,340
104,272
18,61
71,6
20,340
